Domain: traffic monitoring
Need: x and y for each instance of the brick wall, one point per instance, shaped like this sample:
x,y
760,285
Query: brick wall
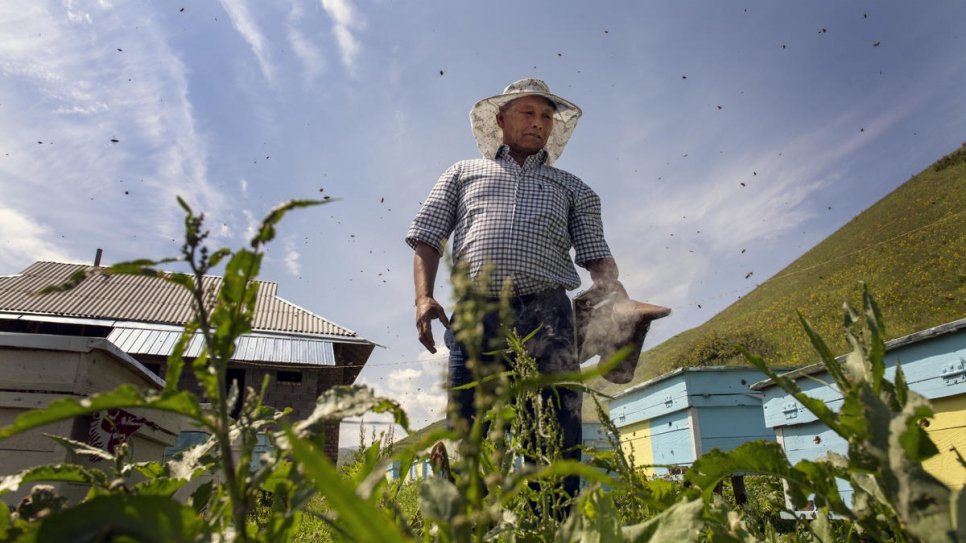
x,y
300,396
328,378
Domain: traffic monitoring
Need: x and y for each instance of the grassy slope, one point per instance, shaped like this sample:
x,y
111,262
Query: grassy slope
x,y
909,248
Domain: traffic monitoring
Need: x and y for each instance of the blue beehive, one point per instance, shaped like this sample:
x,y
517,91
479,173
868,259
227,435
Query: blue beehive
x,y
934,363
671,420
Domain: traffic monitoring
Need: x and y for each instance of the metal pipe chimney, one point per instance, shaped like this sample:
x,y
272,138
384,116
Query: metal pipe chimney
x,y
97,257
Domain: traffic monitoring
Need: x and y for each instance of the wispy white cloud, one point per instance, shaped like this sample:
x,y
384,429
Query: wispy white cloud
x,y
735,206
243,21
313,62
420,390
251,223
345,20
308,53
292,259
75,14
670,246
23,240
96,145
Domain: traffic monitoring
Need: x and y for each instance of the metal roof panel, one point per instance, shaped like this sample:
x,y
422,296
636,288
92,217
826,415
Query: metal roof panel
x,y
146,300
248,348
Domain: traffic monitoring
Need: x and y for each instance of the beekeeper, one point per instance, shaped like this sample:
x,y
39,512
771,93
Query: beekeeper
x,y
513,209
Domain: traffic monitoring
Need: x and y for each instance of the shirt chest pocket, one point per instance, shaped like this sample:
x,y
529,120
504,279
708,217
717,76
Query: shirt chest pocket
x,y
492,198
547,206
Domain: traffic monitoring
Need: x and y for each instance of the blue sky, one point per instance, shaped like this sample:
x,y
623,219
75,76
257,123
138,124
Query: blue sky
x,y
724,138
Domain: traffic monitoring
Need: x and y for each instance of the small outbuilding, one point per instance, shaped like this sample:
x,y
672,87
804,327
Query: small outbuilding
x,y
38,369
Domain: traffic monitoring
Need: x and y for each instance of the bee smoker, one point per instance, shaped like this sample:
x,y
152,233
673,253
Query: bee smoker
x,y
607,320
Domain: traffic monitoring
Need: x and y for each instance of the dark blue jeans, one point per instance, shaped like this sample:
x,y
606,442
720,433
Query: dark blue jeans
x,y
553,348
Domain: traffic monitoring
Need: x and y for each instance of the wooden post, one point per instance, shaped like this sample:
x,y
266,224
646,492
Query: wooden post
x,y
738,486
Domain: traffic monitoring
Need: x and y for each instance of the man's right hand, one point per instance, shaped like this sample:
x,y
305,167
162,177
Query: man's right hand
x,y
428,309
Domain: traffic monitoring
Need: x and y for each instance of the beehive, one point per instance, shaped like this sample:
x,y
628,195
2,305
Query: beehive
x,y
668,422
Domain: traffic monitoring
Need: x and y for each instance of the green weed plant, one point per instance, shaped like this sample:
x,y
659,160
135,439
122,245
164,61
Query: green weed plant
x,y
481,491
894,499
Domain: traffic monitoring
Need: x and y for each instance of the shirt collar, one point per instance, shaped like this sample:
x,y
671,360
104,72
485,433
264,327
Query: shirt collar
x,y
537,159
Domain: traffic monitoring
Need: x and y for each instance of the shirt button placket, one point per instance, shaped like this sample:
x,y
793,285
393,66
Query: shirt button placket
x,y
518,176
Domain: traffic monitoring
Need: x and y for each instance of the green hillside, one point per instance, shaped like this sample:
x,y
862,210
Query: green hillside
x,y
910,248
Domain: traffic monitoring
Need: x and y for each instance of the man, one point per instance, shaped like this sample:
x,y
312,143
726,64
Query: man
x,y
513,209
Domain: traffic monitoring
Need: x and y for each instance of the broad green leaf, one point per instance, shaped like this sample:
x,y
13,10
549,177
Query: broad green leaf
x,y
143,267
343,402
217,256
202,496
280,475
876,341
821,527
564,468
159,486
828,359
206,374
149,469
866,488
6,524
181,279
440,500
819,479
922,501
681,522
915,441
768,458
172,374
79,448
66,473
854,416
146,519
266,231
901,386
594,520
123,397
441,503
241,269
361,519
817,407
760,457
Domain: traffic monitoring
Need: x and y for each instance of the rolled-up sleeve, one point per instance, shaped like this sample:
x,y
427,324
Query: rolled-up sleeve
x,y
437,217
586,228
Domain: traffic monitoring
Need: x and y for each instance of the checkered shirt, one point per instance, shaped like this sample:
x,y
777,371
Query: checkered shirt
x,y
523,219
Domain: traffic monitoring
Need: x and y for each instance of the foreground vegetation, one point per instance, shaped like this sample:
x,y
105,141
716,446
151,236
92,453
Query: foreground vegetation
x,y
482,492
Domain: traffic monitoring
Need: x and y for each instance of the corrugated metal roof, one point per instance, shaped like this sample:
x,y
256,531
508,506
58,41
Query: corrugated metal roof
x,y
146,299
248,348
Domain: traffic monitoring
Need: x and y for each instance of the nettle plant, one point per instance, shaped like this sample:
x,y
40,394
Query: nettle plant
x,y
894,498
484,491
